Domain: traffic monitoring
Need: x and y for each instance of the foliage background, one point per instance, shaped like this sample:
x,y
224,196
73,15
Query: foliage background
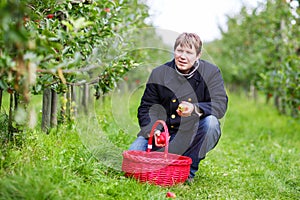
x,y
107,45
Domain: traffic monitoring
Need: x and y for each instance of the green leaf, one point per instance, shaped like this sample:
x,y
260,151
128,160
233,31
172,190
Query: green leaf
x,y
68,25
3,84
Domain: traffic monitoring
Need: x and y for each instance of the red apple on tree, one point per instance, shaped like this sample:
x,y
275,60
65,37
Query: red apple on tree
x,y
50,16
107,10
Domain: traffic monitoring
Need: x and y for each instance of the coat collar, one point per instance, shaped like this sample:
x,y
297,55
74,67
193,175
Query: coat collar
x,y
196,75
178,84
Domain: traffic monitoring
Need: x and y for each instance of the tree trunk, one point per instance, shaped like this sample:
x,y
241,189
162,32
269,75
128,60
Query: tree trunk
x,y
85,97
69,101
283,106
73,99
63,107
53,115
10,115
294,110
268,98
16,100
1,92
253,92
46,110
276,102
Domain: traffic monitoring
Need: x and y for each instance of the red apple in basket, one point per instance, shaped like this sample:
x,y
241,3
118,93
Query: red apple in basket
x,y
161,139
170,195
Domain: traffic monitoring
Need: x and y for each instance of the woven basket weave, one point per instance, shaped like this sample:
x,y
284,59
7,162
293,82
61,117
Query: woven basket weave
x,y
159,168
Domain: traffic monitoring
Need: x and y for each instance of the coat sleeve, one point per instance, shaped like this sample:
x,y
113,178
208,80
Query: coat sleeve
x,y
150,109
216,93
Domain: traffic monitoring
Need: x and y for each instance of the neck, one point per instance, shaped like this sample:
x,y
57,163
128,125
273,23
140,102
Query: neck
x,y
188,73
184,71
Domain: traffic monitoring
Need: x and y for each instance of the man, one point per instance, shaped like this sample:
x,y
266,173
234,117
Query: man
x,y
188,94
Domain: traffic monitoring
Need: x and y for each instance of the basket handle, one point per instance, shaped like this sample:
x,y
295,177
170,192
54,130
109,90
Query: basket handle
x,y
152,133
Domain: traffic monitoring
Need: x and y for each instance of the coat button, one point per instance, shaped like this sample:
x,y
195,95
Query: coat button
x,y
173,116
172,126
174,100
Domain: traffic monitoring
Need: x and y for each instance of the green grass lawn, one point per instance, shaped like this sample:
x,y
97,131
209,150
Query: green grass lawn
x,y
258,157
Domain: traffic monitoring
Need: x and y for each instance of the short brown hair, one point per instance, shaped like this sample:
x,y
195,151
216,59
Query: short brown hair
x,y
189,40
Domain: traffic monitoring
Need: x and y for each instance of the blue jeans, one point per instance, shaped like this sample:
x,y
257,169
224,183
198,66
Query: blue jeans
x,y
204,140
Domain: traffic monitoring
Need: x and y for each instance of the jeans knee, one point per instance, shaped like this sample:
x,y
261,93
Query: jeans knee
x,y
213,126
139,144
212,135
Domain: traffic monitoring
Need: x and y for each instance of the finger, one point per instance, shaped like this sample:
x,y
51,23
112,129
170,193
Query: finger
x,y
179,112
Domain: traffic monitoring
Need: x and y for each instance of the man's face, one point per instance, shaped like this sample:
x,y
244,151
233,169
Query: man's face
x,y
185,58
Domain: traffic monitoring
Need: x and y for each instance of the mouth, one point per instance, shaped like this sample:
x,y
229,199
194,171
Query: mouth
x,y
182,62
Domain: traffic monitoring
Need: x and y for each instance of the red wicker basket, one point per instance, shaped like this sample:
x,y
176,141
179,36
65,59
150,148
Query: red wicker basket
x,y
159,168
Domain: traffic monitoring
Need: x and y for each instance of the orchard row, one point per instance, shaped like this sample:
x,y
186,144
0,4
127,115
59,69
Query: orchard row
x,y
261,50
56,45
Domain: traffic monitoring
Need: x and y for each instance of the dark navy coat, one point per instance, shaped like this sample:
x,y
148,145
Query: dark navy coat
x,y
166,88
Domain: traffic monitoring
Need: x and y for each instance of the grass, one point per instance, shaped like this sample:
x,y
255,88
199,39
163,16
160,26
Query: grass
x,y
256,158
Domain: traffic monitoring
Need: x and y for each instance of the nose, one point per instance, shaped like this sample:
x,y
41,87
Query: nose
x,y
183,55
